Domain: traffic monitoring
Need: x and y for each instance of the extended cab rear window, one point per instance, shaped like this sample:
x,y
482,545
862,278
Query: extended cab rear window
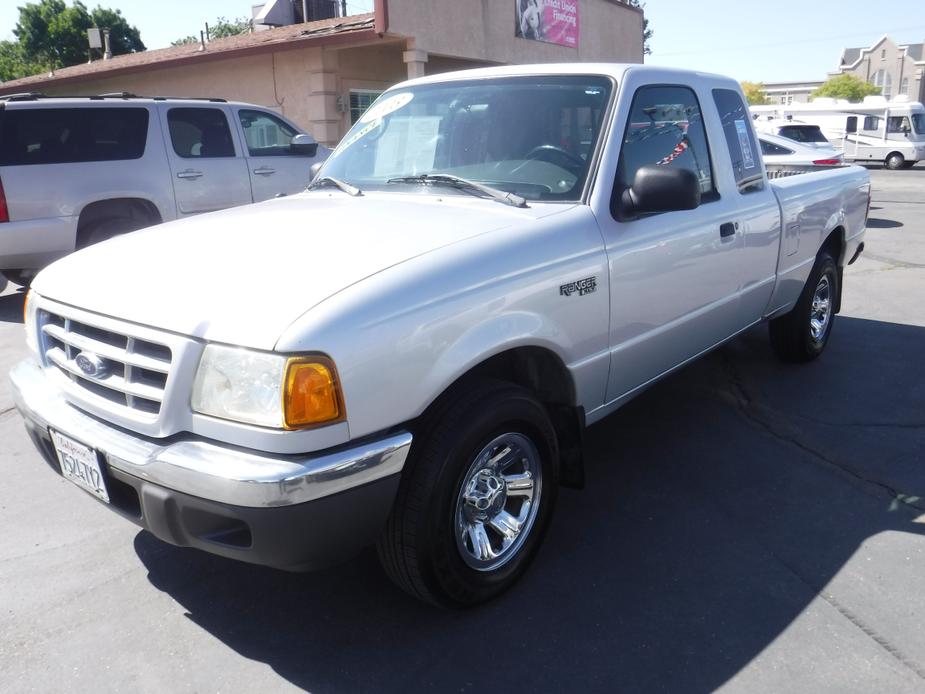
x,y
70,135
736,120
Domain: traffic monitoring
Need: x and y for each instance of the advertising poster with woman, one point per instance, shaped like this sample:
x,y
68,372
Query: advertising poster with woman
x,y
551,21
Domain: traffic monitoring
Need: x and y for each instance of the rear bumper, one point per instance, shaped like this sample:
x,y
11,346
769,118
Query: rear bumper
x,y
289,512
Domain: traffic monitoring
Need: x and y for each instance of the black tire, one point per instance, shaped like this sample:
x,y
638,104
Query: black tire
x,y
908,164
894,161
418,548
104,229
21,277
794,336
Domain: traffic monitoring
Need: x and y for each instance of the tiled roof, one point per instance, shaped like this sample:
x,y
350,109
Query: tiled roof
x,y
850,55
191,53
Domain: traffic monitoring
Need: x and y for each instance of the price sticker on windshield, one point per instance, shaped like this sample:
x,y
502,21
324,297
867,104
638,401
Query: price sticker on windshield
x,y
383,108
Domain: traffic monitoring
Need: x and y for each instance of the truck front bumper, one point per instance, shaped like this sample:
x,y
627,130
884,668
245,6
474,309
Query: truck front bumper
x,y
289,512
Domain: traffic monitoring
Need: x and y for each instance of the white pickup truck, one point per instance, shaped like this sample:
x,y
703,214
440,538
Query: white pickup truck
x,y
77,170
495,259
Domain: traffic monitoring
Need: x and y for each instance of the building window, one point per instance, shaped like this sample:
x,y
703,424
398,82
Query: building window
x,y
360,100
888,87
878,79
904,86
883,54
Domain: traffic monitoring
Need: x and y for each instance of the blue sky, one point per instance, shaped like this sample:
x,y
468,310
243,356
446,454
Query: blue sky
x,y
746,39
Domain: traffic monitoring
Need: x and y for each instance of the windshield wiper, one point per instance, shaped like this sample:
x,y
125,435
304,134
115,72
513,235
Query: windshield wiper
x,y
462,184
330,180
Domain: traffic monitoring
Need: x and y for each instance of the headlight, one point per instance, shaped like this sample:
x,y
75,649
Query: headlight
x,y
29,312
270,390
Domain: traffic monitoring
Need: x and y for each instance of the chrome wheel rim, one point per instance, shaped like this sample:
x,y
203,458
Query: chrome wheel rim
x,y
821,310
498,501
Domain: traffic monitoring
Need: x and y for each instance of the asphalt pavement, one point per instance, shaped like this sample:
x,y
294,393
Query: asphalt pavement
x,y
747,526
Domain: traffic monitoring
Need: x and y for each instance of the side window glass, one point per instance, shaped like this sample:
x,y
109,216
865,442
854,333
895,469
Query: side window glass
x,y
740,139
266,135
772,149
71,135
200,133
871,123
666,129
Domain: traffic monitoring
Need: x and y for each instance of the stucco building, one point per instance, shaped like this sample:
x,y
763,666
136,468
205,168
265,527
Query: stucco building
x,y
322,74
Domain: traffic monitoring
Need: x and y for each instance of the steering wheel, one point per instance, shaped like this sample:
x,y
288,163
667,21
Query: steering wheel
x,y
558,156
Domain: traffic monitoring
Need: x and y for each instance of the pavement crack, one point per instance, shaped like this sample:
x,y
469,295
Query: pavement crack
x,y
893,262
763,417
4,413
855,620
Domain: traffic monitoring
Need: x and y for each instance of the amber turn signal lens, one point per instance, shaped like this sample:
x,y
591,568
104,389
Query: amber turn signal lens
x,y
25,308
312,395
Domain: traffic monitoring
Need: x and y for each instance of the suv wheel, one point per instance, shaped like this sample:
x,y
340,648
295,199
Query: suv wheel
x,y
475,499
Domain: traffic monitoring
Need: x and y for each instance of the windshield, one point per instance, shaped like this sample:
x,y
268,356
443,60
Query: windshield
x,y
533,136
803,133
918,123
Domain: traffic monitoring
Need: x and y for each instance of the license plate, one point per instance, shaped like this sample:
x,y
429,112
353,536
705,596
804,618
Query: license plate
x,y
80,465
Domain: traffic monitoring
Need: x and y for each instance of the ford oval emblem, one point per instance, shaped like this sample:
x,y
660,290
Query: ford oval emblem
x,y
91,364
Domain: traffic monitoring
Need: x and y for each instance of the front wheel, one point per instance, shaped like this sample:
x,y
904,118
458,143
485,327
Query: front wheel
x,y
475,499
802,334
894,161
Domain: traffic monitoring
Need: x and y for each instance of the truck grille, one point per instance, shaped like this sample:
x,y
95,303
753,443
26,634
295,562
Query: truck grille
x,y
133,372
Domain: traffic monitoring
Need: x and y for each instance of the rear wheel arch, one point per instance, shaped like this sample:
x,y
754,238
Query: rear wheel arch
x,y
114,216
835,245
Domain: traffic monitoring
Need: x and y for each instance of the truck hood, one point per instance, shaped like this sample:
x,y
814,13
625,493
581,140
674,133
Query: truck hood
x,y
241,276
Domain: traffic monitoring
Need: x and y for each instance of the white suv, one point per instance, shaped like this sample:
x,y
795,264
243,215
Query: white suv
x,y
74,171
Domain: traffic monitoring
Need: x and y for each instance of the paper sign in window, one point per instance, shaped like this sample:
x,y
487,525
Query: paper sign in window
x,y
408,147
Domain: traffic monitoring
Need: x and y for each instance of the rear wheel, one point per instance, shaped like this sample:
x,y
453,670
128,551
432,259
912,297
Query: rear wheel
x,y
475,499
894,161
802,334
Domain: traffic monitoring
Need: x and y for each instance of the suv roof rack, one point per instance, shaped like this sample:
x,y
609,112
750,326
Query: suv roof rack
x,y
35,96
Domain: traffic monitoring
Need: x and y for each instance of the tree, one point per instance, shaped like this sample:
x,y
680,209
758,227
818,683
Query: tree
x,y
13,64
53,34
647,32
221,28
754,92
846,86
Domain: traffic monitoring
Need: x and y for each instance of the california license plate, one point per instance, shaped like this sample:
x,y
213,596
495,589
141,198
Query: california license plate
x,y
80,465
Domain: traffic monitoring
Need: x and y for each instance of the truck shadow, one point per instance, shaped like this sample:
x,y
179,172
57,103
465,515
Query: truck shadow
x,y
11,305
719,505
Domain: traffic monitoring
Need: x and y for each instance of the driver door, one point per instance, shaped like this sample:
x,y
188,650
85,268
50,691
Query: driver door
x,y
673,275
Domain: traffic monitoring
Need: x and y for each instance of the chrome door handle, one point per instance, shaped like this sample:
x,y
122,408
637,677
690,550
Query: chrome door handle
x,y
264,171
189,173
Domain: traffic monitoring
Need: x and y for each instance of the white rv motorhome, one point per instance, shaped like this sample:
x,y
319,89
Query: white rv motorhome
x,y
876,130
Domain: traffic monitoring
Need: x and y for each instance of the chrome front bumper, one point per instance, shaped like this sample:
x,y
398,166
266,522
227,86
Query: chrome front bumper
x,y
206,469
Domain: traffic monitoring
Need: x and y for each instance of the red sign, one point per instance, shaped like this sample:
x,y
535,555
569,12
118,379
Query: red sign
x,y
552,21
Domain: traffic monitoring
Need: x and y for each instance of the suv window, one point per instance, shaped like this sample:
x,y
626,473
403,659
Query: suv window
x,y
734,115
200,133
665,129
68,135
266,135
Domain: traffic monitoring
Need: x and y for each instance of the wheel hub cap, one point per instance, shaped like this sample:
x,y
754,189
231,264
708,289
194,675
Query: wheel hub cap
x,y
498,501
485,494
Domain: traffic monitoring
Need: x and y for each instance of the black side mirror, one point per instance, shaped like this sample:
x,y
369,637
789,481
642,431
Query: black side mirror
x,y
304,145
660,189
313,171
